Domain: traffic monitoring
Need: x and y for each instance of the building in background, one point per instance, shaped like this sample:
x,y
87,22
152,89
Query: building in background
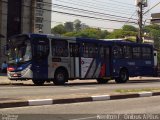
x,y
23,16
155,18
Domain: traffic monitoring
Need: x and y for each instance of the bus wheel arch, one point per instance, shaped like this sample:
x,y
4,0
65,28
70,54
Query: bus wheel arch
x,y
123,76
61,76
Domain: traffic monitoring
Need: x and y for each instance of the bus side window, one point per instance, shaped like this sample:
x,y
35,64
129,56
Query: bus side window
x,y
117,51
90,50
146,53
74,50
136,52
101,51
127,52
59,48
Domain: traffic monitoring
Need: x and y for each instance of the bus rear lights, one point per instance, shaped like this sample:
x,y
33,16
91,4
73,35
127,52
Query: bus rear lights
x,y
10,69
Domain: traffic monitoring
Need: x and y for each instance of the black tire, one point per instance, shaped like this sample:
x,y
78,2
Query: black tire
x,y
123,76
60,77
38,82
102,81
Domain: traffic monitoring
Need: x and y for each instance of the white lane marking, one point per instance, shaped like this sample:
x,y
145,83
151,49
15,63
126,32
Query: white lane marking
x,y
84,118
84,89
100,97
145,94
40,102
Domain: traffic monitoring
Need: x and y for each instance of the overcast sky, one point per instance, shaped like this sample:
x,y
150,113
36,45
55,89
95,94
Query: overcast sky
x,y
124,9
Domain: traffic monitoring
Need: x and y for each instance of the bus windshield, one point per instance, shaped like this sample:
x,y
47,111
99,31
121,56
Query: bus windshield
x,y
19,49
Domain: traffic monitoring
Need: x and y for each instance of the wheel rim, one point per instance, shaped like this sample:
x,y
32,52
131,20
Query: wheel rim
x,y
123,75
60,77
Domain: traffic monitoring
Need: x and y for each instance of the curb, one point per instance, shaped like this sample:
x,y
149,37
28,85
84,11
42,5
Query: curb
x,y
39,102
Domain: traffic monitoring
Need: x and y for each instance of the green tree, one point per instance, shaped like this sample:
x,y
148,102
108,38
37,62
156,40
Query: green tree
x,y
116,34
89,33
77,25
129,28
59,29
69,26
153,31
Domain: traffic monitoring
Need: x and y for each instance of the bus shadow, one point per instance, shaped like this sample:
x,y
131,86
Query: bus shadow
x,y
83,83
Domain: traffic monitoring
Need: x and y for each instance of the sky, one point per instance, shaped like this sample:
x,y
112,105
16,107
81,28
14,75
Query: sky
x,y
101,11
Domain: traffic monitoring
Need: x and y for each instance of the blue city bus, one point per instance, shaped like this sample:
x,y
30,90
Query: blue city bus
x,y
41,58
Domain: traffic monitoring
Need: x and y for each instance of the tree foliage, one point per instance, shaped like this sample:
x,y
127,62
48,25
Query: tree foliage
x,y
89,33
153,31
129,28
59,29
77,25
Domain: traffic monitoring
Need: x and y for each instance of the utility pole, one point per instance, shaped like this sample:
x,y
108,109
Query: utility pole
x,y
140,4
140,20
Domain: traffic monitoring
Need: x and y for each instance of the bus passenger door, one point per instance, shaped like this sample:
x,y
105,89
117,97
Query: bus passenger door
x,y
40,58
105,62
74,60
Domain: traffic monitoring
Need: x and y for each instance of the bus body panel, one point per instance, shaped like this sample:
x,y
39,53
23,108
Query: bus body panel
x,y
68,54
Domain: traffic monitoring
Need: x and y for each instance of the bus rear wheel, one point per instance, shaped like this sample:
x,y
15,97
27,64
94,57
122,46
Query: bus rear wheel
x,y
123,76
38,82
102,81
60,77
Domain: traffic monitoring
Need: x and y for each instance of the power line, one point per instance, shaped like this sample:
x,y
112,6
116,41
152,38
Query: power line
x,y
103,5
93,7
84,10
72,14
78,15
151,8
88,11
121,2
113,20
52,21
130,17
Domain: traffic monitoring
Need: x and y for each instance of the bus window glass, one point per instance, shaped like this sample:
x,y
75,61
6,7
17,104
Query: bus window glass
x,y
117,51
146,53
20,49
41,48
90,50
127,52
136,52
59,48
74,50
101,52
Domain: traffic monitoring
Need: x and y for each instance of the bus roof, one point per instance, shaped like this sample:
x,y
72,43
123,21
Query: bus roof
x,y
81,39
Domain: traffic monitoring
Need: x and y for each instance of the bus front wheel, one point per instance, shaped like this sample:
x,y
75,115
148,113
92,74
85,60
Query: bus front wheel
x,y
38,82
123,76
60,77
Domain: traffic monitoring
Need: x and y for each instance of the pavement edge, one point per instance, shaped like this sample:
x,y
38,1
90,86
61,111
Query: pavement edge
x,y
38,102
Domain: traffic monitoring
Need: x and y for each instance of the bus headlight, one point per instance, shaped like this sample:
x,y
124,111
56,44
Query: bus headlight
x,y
20,68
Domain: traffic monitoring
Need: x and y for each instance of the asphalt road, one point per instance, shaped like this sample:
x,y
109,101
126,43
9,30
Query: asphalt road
x,y
89,110
29,91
